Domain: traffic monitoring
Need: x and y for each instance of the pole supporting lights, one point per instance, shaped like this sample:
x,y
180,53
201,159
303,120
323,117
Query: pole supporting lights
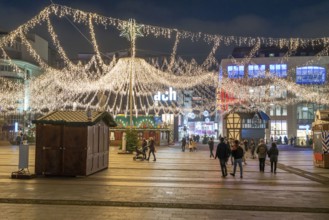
x,y
131,31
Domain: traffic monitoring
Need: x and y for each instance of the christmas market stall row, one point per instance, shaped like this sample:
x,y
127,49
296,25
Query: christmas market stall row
x,y
72,143
157,127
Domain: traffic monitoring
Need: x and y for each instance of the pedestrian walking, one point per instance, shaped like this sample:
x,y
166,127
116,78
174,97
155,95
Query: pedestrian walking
x,y
190,145
273,154
252,148
245,150
222,153
237,153
261,151
144,148
245,144
152,149
232,147
183,144
211,147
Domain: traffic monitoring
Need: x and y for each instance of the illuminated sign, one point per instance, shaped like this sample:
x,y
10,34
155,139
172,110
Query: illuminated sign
x,y
304,127
167,96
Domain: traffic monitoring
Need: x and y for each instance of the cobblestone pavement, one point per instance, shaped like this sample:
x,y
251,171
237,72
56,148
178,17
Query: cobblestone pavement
x,y
179,185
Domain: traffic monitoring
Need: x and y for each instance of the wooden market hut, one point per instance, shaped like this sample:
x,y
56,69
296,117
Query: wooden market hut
x,y
246,125
320,128
72,143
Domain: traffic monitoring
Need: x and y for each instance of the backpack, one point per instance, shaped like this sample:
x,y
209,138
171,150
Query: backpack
x,y
262,150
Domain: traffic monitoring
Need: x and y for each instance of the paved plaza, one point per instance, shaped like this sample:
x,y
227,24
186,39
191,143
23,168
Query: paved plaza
x,y
179,185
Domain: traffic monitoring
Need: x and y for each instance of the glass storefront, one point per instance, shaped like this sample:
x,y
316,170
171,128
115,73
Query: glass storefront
x,y
198,128
202,128
305,117
279,130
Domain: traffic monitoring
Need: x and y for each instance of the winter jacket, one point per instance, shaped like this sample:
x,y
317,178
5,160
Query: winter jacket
x,y
237,153
222,151
261,150
273,154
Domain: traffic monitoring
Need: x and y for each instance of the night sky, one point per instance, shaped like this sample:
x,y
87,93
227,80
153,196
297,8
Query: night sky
x,y
267,18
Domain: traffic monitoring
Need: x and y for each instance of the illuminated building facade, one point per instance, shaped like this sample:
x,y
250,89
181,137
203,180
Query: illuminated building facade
x,y
289,118
18,65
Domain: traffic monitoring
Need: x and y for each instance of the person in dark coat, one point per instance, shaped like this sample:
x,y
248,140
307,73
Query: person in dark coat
x,y
183,144
144,147
237,153
222,153
211,147
253,148
273,154
152,149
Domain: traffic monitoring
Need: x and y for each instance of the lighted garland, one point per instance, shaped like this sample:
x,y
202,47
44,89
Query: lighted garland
x,y
84,86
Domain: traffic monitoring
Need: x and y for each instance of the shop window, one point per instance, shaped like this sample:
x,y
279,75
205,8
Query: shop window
x,y
256,71
278,129
310,75
278,70
235,72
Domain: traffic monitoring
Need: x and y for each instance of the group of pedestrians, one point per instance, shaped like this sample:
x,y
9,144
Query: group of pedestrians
x,y
224,151
272,153
191,144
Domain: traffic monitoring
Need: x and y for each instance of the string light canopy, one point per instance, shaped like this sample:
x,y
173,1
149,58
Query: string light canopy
x,y
106,85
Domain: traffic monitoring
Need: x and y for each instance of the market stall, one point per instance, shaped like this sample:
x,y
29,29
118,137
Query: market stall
x,y
320,128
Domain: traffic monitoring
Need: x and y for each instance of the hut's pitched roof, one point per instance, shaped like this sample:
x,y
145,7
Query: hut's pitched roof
x,y
76,118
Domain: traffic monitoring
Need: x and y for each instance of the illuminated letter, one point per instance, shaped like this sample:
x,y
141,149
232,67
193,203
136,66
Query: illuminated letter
x,y
157,97
165,96
172,94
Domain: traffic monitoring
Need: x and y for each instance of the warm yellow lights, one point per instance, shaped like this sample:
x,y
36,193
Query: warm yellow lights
x,y
99,85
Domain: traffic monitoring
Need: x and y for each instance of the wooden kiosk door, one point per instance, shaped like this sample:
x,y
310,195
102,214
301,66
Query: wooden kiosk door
x,y
49,153
74,151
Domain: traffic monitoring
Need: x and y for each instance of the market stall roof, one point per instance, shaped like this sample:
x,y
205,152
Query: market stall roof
x,y
262,115
77,118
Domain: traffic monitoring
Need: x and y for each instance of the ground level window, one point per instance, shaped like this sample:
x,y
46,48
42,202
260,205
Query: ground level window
x,y
279,130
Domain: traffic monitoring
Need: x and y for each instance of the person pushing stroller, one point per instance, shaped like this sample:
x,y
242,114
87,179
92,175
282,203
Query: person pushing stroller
x,y
141,152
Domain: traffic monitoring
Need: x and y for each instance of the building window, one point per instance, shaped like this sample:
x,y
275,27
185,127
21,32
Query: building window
x,y
256,71
278,129
278,70
235,71
284,111
6,68
278,111
310,75
254,122
277,92
305,112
